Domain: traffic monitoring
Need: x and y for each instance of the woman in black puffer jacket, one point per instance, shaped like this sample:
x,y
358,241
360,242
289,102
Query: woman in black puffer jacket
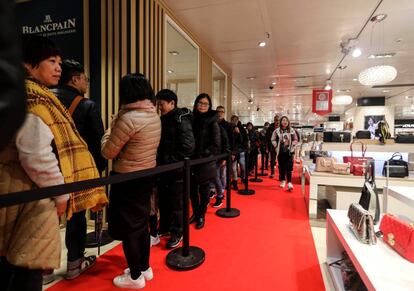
x,y
208,143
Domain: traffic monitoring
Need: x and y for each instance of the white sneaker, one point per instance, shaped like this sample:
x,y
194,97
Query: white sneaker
x,y
148,274
282,184
290,186
125,281
155,240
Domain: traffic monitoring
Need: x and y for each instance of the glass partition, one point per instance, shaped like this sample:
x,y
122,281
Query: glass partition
x,y
219,87
181,65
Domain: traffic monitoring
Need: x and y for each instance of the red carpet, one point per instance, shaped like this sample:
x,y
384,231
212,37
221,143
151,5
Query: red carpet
x,y
268,247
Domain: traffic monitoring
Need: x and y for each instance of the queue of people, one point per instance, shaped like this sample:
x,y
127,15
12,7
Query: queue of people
x,y
63,140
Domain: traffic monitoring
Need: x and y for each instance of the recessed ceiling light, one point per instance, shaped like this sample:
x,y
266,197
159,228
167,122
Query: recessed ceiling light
x,y
170,71
356,52
277,95
251,78
174,53
273,83
262,44
354,79
386,91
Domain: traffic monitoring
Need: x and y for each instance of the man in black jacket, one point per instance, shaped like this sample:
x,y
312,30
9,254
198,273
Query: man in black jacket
x,y
270,147
177,142
73,85
12,94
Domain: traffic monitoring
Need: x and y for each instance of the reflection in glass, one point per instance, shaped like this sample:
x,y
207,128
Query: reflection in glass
x,y
181,71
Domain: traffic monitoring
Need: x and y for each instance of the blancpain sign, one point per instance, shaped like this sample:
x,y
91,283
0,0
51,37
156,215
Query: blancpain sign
x,y
50,28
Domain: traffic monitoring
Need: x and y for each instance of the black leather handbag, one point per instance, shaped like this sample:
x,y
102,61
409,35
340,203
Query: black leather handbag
x,y
363,134
397,166
341,136
404,138
369,199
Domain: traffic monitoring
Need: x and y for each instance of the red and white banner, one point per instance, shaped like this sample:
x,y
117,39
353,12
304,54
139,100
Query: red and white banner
x,y
321,101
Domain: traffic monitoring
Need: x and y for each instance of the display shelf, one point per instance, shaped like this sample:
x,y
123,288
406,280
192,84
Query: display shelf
x,y
389,147
379,266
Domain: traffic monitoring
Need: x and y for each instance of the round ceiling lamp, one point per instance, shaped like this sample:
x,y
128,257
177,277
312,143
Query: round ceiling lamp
x,y
377,75
342,100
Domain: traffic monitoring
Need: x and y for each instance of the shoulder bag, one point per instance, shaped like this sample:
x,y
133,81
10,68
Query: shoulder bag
x,y
324,164
362,224
398,168
357,160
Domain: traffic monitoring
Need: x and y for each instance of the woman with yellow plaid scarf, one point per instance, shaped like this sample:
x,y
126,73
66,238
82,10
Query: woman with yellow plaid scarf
x,y
46,151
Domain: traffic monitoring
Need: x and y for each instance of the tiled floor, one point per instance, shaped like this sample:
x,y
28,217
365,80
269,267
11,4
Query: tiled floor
x,y
89,251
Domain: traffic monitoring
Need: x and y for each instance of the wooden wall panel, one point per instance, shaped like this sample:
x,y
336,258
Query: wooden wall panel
x,y
206,73
132,33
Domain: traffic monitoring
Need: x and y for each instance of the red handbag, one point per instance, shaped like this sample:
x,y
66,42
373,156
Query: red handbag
x,y
358,164
399,235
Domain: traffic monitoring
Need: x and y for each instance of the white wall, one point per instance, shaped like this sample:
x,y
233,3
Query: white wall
x,y
358,115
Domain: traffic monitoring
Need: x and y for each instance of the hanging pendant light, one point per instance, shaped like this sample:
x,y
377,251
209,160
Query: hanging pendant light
x,y
342,100
377,75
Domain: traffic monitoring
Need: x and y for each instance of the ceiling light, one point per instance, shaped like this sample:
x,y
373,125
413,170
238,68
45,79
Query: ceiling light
x,y
174,53
379,17
377,75
342,100
381,56
262,44
356,52
328,85
170,71
386,91
251,78
273,83
354,79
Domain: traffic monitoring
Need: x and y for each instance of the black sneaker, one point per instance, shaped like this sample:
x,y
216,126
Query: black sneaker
x,y
219,202
174,241
234,185
212,194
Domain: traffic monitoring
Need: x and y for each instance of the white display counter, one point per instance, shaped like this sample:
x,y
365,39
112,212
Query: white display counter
x,y
380,267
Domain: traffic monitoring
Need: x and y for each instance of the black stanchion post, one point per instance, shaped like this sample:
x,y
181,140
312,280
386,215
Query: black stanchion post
x,y
263,162
186,257
99,237
228,212
255,179
246,190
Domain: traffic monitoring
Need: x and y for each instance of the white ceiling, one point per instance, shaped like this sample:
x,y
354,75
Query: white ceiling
x,y
302,48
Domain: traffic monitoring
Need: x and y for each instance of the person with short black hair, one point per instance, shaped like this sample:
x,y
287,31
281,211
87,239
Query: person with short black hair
x,y
132,142
177,143
73,85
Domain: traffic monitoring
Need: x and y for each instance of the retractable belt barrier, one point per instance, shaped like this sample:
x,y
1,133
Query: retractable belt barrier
x,y
52,191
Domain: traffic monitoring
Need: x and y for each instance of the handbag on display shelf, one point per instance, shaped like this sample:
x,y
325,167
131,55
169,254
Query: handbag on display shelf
x,y
342,169
398,168
399,235
324,164
341,136
362,224
355,160
369,199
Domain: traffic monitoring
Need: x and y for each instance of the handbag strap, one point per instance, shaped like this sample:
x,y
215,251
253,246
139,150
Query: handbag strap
x,y
363,148
396,154
74,104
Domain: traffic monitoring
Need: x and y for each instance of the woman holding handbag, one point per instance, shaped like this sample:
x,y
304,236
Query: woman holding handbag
x,y
132,141
284,139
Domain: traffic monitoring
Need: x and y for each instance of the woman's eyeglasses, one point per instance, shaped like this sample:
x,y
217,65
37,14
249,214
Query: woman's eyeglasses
x,y
206,104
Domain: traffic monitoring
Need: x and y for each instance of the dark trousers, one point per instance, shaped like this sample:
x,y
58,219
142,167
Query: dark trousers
x,y
136,247
252,159
199,197
76,236
285,161
170,203
272,160
14,278
265,159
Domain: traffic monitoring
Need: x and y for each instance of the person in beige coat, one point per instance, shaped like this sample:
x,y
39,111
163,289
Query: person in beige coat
x,y
132,141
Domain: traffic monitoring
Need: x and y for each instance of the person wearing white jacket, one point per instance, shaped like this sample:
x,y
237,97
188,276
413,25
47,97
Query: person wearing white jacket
x,y
284,139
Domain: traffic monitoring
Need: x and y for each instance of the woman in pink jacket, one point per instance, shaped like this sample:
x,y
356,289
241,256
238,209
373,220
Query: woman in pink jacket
x,y
132,141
